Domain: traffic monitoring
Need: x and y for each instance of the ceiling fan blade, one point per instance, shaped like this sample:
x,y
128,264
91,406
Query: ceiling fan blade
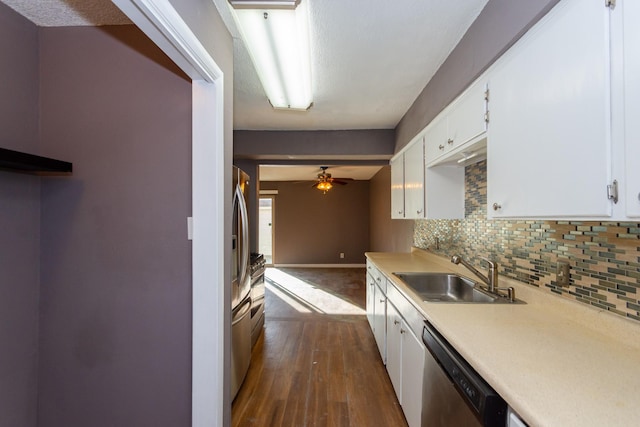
x,y
341,181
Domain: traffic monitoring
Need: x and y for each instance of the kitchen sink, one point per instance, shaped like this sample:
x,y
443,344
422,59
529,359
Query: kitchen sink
x,y
447,287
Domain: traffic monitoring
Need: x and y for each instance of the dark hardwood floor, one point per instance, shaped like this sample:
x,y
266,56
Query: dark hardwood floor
x,y
316,363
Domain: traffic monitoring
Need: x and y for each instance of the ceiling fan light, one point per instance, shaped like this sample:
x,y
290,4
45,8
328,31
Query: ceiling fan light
x,y
324,186
277,39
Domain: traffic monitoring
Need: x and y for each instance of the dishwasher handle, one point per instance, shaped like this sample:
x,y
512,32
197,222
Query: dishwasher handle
x,y
486,404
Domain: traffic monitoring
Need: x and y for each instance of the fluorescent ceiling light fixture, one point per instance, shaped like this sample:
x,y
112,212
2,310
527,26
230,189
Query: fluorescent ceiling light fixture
x,y
277,37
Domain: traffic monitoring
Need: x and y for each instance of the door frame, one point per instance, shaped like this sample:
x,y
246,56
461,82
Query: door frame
x,y
273,225
160,21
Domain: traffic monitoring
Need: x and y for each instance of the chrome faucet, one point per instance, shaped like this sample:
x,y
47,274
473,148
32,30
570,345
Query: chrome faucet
x,y
491,280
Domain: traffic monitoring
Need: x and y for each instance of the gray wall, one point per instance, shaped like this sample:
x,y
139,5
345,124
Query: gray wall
x,y
313,228
500,24
258,144
19,222
115,331
387,235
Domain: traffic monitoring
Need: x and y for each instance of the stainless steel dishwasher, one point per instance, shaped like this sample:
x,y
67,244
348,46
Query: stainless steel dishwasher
x,y
454,395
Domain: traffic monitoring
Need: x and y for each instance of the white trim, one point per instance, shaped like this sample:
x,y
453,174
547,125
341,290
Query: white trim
x,y
162,24
319,265
208,384
166,28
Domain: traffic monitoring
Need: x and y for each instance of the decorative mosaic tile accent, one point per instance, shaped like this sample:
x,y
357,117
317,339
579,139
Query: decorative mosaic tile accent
x,y
604,256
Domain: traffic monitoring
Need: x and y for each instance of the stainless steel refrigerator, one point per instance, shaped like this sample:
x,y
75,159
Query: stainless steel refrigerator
x,y
240,283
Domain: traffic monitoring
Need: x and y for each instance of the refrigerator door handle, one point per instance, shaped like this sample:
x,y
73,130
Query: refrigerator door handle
x,y
244,260
243,311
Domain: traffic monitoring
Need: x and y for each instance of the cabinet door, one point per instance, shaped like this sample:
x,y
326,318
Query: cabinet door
x,y
379,321
466,119
413,353
394,349
632,106
371,294
549,137
414,180
397,187
435,138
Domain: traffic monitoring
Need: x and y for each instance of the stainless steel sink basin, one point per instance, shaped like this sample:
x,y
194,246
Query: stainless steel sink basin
x,y
445,287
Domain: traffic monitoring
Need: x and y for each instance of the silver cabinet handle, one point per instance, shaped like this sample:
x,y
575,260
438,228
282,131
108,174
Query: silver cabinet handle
x,y
419,211
441,147
402,331
381,300
395,322
449,141
496,206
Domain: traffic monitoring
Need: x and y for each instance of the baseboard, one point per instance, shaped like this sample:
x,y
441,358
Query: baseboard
x,y
319,265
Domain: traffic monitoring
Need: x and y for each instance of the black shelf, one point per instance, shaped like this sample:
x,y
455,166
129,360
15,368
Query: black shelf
x,y
17,161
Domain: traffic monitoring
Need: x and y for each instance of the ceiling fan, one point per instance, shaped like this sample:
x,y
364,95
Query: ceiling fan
x,y
325,182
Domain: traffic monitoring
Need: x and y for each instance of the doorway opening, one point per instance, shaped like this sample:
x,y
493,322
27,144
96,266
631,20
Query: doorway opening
x,y
266,219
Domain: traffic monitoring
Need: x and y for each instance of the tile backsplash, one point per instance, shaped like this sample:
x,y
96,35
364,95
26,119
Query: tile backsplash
x,y
604,257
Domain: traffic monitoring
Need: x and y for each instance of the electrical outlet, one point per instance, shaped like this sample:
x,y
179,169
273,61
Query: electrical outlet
x,y
562,273
341,254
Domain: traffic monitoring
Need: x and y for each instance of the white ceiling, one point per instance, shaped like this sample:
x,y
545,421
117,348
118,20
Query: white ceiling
x,y
310,173
370,60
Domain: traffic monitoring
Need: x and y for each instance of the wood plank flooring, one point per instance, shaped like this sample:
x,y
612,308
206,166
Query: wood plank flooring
x,y
316,363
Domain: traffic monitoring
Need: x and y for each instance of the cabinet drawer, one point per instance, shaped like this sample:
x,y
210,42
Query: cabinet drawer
x,y
378,277
411,315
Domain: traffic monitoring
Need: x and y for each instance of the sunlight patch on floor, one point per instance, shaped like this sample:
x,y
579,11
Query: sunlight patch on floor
x,y
306,297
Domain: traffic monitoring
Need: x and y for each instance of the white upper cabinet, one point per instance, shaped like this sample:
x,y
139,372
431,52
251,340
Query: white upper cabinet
x,y
632,107
461,122
549,136
436,137
418,191
414,180
466,119
397,187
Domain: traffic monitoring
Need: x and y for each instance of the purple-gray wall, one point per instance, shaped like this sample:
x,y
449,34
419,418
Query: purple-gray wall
x,y
115,314
251,144
500,24
313,228
19,222
386,234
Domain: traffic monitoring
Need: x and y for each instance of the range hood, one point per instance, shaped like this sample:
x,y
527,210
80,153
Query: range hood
x,y
16,161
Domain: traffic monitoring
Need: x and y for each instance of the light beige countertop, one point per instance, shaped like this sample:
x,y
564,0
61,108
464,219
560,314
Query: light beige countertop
x,y
555,361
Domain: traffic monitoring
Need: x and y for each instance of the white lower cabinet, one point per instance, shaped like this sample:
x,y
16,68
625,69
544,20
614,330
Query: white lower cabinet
x,y
371,294
394,349
396,327
380,321
405,361
377,307
413,353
